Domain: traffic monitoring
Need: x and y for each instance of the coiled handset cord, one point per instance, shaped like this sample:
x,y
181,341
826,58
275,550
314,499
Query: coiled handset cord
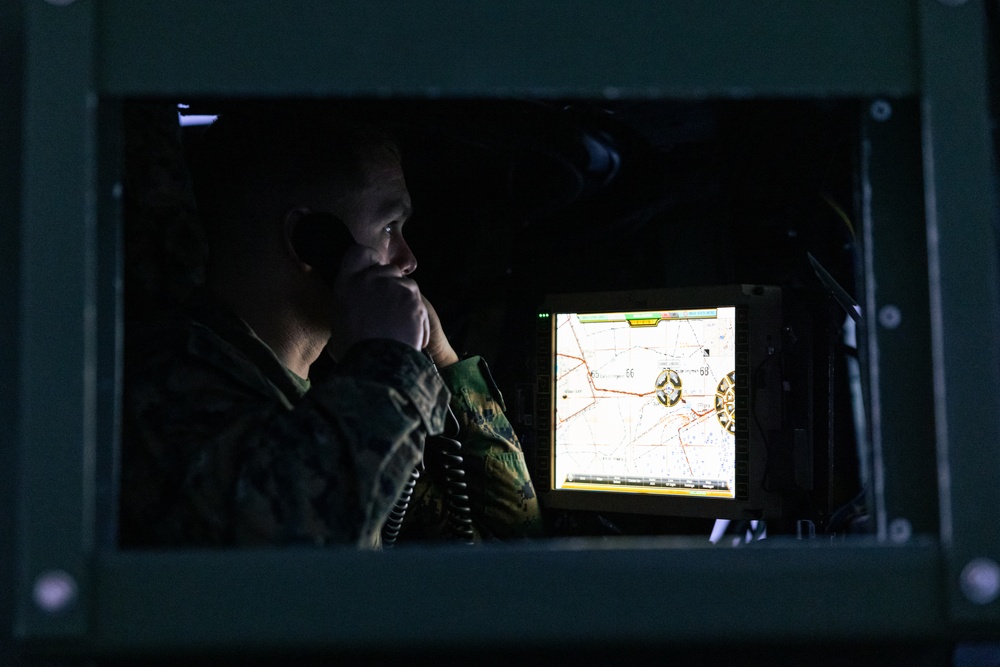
x,y
456,490
394,522
448,452
320,239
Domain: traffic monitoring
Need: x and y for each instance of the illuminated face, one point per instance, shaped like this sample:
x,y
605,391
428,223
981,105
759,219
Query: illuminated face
x,y
376,214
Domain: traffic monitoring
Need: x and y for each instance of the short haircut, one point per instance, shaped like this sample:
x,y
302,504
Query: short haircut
x,y
253,165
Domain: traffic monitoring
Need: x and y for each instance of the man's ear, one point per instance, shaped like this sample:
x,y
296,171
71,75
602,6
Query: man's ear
x,y
291,235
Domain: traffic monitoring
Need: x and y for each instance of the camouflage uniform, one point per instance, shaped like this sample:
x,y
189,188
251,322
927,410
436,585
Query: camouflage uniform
x,y
224,446
502,498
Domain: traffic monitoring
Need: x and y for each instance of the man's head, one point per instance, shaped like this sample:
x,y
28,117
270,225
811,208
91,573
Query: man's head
x,y
256,177
256,172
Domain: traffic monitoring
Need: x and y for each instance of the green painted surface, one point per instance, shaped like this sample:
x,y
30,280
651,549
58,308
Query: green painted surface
x,y
898,320
57,323
964,290
566,594
647,48
648,593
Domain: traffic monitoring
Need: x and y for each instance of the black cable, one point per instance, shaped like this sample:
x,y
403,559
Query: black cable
x,y
394,523
853,508
456,492
443,453
766,481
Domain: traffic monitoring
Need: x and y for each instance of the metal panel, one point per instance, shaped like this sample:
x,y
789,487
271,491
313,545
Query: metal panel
x,y
640,593
897,322
964,299
58,327
517,47
110,323
647,593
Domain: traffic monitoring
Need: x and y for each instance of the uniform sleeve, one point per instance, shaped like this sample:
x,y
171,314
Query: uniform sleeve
x,y
502,496
212,458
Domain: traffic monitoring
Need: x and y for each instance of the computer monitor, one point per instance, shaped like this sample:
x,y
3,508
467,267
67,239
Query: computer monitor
x,y
660,401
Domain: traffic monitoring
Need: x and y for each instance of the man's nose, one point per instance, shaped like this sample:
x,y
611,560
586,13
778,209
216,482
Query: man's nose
x,y
403,258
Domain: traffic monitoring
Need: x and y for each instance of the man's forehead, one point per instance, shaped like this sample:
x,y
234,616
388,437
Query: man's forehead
x,y
379,174
381,165
381,197
396,208
386,184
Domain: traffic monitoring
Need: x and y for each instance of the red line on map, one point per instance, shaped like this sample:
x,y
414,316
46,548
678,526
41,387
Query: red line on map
x,y
594,387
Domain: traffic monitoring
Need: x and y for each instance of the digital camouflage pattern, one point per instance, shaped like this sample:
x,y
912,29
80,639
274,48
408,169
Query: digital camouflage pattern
x,y
222,447
502,497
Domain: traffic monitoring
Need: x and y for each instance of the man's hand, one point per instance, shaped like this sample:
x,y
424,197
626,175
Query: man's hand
x,y
372,300
438,346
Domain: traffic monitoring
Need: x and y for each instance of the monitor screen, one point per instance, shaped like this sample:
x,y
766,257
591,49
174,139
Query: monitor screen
x,y
645,401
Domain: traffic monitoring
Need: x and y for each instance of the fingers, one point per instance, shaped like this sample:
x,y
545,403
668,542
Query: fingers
x,y
438,346
373,300
427,331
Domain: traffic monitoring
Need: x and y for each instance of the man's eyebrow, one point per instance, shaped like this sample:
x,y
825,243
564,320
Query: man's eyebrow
x,y
398,209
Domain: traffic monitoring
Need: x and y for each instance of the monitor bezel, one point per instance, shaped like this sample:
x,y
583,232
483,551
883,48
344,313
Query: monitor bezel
x,y
758,399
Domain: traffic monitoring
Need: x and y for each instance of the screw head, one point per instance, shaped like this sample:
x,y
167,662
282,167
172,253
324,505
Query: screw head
x,y
980,580
881,110
890,316
55,591
900,530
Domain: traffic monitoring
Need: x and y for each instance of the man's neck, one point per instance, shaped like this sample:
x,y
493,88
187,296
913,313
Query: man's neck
x,y
275,321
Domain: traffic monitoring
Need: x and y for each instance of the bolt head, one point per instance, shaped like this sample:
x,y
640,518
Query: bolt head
x,y
900,530
881,110
890,316
980,581
55,591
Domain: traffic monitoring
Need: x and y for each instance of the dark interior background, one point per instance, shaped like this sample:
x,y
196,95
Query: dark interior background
x,y
515,199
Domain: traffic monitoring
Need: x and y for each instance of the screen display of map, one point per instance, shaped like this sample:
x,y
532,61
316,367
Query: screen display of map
x,y
644,402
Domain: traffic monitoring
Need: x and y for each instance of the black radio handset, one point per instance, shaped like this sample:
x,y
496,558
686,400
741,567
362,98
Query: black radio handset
x,y
320,240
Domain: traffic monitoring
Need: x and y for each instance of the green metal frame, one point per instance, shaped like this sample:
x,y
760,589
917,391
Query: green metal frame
x,y
57,350
904,460
961,210
927,57
519,47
